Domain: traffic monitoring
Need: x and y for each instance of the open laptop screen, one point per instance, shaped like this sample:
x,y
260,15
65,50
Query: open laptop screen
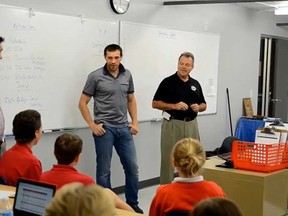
x,y
32,197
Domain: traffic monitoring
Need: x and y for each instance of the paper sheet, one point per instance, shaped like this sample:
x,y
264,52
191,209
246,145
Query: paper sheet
x,y
4,193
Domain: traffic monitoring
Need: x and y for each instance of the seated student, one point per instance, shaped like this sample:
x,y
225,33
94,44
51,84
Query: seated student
x,y
19,160
67,149
76,199
216,207
189,188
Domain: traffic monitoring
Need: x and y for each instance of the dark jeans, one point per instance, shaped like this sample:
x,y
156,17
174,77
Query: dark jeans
x,y
122,140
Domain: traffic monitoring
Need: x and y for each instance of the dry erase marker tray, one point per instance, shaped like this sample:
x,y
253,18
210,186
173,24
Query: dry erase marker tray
x,y
260,157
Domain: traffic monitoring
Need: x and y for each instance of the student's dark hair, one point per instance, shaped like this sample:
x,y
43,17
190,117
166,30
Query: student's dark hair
x,y
187,55
112,48
25,124
67,147
216,207
1,39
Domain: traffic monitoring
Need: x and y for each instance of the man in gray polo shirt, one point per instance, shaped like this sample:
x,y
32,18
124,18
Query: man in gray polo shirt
x,y
2,122
112,89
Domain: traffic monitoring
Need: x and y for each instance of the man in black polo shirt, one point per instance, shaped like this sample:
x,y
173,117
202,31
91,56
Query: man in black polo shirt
x,y
181,98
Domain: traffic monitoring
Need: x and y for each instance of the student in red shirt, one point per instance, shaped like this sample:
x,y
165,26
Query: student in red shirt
x,y
19,160
189,188
67,149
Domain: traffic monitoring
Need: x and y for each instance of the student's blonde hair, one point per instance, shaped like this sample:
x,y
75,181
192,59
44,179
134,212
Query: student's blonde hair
x,y
188,156
76,199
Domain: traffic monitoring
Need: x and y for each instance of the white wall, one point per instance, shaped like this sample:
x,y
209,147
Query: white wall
x,y
240,30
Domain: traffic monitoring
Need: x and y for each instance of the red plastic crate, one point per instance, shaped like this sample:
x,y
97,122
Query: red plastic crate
x,y
259,157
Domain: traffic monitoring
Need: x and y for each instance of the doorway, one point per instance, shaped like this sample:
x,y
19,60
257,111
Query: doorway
x,y
273,78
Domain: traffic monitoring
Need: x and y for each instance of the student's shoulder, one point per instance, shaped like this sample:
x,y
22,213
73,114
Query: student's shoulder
x,y
212,186
210,183
165,188
86,178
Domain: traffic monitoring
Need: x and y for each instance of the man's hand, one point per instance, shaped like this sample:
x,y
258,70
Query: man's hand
x,y
195,107
133,129
181,106
97,129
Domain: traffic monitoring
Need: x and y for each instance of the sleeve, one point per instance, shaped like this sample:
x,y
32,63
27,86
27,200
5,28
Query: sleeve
x,y
219,191
90,180
90,85
160,92
156,204
35,171
200,94
154,207
131,85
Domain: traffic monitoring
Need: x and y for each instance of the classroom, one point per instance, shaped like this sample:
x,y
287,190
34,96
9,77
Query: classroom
x,y
237,30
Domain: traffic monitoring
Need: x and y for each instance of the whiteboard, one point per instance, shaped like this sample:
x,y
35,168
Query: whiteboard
x,y
46,60
151,53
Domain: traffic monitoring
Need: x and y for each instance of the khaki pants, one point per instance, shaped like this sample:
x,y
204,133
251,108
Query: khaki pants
x,y
172,131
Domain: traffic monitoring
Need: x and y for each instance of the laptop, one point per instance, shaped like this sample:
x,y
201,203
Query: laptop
x,y
225,156
32,197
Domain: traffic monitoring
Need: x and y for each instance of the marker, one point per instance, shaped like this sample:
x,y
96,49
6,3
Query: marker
x,y
68,129
58,130
8,136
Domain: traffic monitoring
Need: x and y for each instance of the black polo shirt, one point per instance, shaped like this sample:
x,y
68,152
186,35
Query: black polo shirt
x,y
174,90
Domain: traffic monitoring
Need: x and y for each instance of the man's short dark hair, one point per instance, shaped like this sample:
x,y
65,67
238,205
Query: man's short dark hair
x,y
67,147
112,48
25,124
1,39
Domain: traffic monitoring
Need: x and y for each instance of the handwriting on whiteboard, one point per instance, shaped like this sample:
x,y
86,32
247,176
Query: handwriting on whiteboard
x,y
167,34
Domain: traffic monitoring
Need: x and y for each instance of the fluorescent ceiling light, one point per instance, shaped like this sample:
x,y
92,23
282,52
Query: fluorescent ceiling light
x,y
281,11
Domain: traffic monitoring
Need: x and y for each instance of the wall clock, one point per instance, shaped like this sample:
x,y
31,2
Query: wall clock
x,y
120,6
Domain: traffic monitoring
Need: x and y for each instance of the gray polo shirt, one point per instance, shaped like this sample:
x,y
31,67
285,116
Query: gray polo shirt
x,y
110,95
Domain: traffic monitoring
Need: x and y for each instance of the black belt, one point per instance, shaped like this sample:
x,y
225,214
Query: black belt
x,y
183,118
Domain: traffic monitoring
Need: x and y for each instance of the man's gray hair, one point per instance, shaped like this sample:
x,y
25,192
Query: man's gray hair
x,y
188,55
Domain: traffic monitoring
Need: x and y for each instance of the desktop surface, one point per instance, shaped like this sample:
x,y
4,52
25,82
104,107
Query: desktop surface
x,y
256,193
120,212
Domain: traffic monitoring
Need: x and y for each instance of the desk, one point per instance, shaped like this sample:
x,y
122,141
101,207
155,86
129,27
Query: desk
x,y
257,194
120,212
246,128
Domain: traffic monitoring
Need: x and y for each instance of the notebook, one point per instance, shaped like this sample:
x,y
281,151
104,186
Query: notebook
x,y
32,197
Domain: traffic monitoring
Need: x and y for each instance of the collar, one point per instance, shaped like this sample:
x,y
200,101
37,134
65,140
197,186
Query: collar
x,y
24,147
121,69
64,167
188,180
178,78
